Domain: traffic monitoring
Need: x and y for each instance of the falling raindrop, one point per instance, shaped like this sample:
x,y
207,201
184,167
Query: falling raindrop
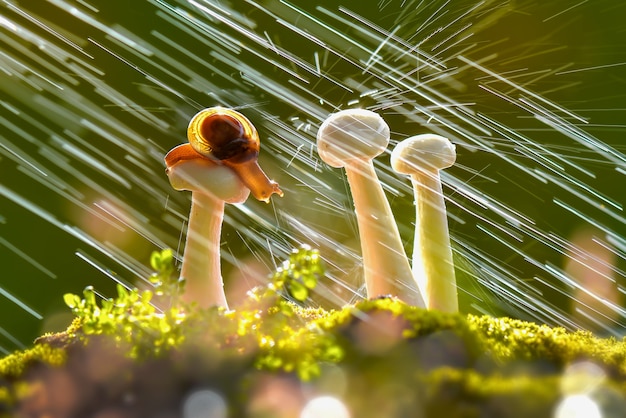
x,y
94,93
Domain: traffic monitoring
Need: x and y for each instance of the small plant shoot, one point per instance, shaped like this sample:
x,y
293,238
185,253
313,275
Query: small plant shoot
x,y
164,278
300,273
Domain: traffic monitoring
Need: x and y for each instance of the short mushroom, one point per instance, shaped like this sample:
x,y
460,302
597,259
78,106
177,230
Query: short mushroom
x,y
422,157
214,182
351,139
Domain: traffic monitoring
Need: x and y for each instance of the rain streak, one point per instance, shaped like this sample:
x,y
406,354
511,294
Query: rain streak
x,y
94,93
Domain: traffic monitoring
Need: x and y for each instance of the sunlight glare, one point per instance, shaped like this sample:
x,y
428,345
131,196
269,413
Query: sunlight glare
x,y
325,407
578,406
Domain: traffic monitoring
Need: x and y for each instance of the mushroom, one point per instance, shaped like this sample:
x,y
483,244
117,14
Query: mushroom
x,y
351,139
422,157
226,172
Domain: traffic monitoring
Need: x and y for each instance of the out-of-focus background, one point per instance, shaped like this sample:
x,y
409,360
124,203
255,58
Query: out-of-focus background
x,y
93,93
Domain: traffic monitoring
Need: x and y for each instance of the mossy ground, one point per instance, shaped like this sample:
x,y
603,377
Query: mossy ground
x,y
381,358
122,358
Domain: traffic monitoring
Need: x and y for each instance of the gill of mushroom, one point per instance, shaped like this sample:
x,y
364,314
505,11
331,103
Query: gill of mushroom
x,y
212,182
351,139
423,156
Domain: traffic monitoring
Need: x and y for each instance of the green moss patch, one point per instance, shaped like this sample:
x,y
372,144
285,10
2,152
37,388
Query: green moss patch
x,y
272,358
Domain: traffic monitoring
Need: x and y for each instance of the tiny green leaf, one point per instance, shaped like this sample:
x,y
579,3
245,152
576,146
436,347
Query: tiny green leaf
x,y
309,280
155,260
122,293
90,296
298,291
71,300
167,260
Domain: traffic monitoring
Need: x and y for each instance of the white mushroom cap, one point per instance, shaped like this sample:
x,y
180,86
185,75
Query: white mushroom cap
x,y
352,134
427,152
201,175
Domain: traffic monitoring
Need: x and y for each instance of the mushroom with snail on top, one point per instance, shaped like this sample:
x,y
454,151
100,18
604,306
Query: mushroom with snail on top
x,y
219,165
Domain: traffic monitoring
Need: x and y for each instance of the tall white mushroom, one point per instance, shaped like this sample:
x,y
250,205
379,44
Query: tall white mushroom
x,y
422,157
225,172
351,139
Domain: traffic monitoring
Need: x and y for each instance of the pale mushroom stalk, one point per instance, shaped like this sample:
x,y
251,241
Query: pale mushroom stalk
x,y
422,157
201,266
351,139
384,259
432,242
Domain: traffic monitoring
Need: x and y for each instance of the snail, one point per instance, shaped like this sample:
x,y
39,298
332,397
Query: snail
x,y
229,138
218,166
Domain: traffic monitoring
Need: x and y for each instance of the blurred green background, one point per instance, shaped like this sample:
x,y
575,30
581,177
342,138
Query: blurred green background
x,y
94,93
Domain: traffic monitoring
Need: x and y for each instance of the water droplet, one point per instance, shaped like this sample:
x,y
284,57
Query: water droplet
x,y
204,404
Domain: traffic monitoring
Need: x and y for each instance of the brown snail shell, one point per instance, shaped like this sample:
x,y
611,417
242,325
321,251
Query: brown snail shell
x,y
228,137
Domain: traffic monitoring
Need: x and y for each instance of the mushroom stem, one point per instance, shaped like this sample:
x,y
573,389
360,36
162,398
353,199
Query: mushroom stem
x,y
432,256
384,260
201,258
423,156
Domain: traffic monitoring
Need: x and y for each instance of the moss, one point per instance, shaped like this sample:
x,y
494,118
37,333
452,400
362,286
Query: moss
x,y
397,356
380,357
468,393
510,340
14,365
